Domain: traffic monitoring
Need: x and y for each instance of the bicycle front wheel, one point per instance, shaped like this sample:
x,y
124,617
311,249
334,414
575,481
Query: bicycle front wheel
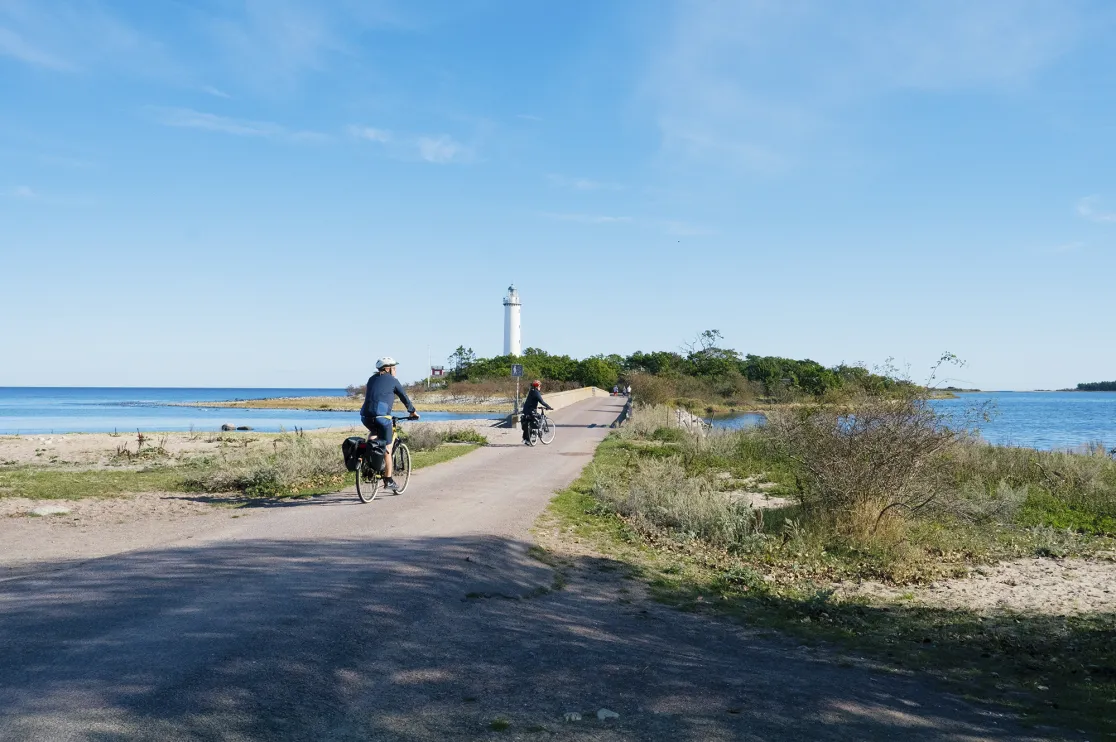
x,y
546,430
401,465
366,486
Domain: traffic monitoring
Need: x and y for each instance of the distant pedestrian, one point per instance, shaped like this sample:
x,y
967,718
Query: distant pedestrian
x,y
615,390
628,390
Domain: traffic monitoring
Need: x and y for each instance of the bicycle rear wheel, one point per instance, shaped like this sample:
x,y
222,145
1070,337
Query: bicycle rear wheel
x,y
546,430
401,466
366,486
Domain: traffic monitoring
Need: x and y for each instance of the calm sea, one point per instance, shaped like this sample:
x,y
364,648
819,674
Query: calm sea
x,y
1034,419
37,410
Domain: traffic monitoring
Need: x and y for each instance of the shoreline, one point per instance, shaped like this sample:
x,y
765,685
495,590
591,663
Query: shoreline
x,y
342,404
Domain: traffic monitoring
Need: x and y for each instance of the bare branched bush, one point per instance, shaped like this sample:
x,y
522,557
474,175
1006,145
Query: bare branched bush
x,y
863,461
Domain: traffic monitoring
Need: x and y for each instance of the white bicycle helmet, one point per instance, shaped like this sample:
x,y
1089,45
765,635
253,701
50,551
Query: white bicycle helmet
x,y
385,361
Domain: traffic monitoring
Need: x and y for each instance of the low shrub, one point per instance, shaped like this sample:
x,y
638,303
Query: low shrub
x,y
294,464
658,497
424,437
464,435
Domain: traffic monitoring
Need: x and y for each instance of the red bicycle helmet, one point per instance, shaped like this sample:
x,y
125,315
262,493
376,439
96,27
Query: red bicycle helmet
x,y
536,383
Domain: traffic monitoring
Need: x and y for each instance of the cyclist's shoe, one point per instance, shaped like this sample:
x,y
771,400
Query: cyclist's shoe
x,y
391,484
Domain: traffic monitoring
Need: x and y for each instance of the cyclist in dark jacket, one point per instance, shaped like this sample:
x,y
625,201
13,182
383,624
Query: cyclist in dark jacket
x,y
531,406
375,413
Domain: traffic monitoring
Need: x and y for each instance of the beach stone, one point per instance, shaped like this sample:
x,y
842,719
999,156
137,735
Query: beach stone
x,y
50,510
226,427
571,716
604,714
245,427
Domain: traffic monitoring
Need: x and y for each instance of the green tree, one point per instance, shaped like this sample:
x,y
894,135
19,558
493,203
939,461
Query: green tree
x,y
597,372
460,361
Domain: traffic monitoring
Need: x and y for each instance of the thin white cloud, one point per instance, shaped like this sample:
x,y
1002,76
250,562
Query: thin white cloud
x,y
589,218
672,227
371,134
215,92
76,36
187,118
273,44
1089,209
442,149
762,86
439,149
583,184
15,46
528,117
23,191
685,229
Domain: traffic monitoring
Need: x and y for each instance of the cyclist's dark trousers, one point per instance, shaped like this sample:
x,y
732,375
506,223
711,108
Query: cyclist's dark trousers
x,y
525,420
379,427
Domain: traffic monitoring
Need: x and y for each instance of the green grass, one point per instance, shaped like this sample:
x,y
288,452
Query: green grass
x,y
65,484
1058,670
419,459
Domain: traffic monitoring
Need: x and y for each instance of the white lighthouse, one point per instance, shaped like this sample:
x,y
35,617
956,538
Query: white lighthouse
x,y
513,343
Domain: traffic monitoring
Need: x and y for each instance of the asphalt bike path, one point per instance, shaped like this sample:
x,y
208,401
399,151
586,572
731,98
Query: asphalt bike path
x,y
421,616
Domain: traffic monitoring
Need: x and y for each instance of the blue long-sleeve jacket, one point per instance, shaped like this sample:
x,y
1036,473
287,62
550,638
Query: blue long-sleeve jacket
x,y
379,396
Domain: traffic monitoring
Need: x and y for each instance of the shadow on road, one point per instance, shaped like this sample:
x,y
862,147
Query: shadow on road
x,y
346,497
423,639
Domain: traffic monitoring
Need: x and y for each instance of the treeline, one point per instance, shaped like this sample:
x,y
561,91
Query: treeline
x,y
1097,386
704,372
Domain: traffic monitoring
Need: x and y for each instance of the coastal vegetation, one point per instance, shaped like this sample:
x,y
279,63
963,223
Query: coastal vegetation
x,y
1097,386
779,525
702,376
255,466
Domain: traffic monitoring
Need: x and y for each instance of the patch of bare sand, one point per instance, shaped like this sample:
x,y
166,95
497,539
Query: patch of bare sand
x,y
97,527
1046,586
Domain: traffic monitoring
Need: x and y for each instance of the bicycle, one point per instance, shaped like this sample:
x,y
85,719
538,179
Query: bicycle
x,y
369,479
540,428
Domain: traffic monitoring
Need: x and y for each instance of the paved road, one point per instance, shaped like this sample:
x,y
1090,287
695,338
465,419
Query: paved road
x,y
417,617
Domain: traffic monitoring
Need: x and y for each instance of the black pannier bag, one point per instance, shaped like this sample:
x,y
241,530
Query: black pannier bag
x,y
352,449
375,453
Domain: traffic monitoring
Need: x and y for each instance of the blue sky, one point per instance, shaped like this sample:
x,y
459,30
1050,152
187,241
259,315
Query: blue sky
x,y
276,192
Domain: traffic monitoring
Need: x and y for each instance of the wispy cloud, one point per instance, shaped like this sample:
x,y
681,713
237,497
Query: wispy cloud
x,y
371,134
23,191
442,149
583,184
672,227
762,86
215,92
589,218
187,118
275,43
685,229
15,46
75,36
439,149
1089,209
528,117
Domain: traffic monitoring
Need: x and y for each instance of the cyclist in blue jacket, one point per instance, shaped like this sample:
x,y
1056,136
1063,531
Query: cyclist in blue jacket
x,y
375,413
